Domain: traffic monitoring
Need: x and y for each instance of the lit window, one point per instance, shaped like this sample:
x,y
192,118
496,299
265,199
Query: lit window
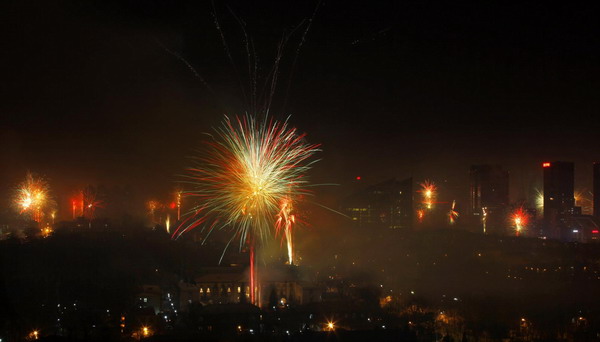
x,y
201,290
228,289
239,289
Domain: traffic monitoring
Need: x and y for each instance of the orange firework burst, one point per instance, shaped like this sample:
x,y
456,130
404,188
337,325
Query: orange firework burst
x,y
420,215
453,214
429,193
33,197
519,220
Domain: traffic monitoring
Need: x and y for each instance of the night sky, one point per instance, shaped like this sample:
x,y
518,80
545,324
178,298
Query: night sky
x,y
92,95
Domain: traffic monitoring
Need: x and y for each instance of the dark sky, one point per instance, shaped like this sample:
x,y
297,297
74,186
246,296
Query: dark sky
x,y
390,88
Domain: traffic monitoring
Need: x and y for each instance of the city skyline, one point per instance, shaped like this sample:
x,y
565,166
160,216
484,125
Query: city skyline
x,y
112,105
322,170
333,195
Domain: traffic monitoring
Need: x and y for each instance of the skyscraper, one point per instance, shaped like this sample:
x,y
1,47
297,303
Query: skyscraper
x,y
488,187
596,190
559,200
387,204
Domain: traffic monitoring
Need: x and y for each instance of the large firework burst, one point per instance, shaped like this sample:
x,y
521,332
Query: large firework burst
x,y
248,169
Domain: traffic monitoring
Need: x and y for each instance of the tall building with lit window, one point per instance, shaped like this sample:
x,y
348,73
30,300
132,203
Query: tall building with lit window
x,y
596,190
489,196
559,197
388,204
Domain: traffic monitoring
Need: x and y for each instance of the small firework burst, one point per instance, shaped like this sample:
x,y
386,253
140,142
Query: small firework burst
x,y
32,197
453,214
519,219
429,193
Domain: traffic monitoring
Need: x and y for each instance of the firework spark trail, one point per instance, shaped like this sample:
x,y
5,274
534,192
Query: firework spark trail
x,y
251,58
253,275
188,65
298,48
484,215
258,101
178,204
285,222
539,199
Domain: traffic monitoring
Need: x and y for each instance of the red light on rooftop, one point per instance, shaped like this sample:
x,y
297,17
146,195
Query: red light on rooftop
x,y
546,165
595,231
357,177
172,205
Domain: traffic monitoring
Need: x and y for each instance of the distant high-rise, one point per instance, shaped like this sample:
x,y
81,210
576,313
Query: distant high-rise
x,y
387,204
488,187
488,190
559,196
596,190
